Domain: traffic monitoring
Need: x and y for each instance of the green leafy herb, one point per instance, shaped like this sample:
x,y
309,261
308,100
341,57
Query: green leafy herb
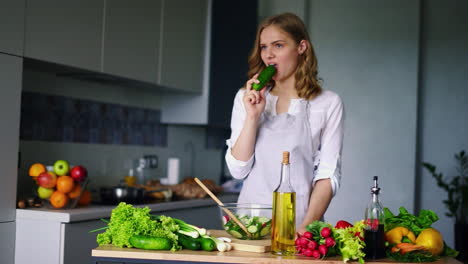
x,y
127,221
410,221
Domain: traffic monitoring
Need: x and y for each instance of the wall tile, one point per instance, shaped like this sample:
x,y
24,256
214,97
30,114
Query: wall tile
x,y
64,119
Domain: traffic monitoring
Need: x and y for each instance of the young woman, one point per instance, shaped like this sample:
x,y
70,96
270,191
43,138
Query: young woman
x,y
292,114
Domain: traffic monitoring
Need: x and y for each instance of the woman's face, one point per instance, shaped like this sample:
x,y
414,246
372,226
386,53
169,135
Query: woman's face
x,y
278,48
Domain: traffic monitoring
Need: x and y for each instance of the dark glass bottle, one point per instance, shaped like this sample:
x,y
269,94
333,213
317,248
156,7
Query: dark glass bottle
x,y
374,226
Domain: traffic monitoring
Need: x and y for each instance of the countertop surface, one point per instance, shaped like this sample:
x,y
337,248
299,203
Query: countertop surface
x,y
93,212
233,256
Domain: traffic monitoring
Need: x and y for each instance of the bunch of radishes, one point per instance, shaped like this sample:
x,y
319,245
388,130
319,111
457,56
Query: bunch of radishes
x,y
315,246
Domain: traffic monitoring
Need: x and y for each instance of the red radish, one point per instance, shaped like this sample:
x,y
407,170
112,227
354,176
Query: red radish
x,y
308,252
225,219
330,242
303,241
307,235
297,242
323,250
325,232
312,245
316,254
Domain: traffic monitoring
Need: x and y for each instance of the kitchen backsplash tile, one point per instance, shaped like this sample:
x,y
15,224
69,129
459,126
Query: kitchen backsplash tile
x,y
65,119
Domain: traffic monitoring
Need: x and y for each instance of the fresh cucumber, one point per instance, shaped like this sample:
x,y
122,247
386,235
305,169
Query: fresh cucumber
x,y
264,77
265,230
148,242
189,242
207,244
235,234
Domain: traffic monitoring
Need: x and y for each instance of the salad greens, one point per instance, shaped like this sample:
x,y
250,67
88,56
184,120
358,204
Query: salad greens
x,y
258,226
127,221
412,222
350,245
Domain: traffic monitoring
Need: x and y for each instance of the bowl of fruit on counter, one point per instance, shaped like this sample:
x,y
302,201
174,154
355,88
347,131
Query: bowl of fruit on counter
x,y
254,218
61,186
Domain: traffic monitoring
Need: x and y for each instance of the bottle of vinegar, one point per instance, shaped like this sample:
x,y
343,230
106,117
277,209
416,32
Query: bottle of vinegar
x,y
284,213
374,226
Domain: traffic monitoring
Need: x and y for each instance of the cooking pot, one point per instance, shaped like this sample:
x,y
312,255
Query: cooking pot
x,y
135,195
115,195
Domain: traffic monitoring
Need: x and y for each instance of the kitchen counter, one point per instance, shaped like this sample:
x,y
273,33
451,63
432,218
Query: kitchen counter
x,y
110,253
66,232
103,211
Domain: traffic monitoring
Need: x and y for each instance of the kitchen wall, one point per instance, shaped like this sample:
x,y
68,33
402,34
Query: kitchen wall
x,y
107,162
400,67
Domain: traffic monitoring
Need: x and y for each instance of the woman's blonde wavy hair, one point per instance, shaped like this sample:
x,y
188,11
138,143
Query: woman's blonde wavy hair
x,y
307,83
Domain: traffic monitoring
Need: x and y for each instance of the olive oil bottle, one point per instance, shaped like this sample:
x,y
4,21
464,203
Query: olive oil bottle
x,y
284,213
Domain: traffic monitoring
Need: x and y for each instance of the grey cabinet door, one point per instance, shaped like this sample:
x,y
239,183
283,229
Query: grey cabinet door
x,y
65,32
10,101
79,242
12,26
183,43
131,39
7,243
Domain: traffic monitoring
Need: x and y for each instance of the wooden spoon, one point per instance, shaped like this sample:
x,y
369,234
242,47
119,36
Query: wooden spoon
x,y
227,211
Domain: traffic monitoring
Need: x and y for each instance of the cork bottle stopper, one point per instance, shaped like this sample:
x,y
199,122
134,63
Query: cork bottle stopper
x,y
285,157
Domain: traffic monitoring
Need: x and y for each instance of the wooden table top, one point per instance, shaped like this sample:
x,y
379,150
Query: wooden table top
x,y
233,256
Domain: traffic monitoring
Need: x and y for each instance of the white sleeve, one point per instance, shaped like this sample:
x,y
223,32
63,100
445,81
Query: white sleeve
x,y
238,169
329,166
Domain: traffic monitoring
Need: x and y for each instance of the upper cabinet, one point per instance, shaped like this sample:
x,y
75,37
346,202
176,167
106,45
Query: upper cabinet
x,y
183,44
12,26
132,34
229,42
65,32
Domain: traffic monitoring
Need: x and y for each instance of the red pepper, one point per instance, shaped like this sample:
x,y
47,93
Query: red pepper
x,y
342,224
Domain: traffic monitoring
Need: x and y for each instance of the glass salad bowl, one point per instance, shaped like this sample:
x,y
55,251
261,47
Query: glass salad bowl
x,y
256,218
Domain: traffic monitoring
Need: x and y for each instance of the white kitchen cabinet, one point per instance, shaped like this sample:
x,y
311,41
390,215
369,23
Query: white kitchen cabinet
x,y
65,32
12,26
132,34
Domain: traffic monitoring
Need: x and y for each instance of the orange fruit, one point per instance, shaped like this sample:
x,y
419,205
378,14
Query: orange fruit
x,y
85,198
36,169
75,192
58,199
65,184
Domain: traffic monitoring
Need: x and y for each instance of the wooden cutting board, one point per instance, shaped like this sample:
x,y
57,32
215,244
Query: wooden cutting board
x,y
259,246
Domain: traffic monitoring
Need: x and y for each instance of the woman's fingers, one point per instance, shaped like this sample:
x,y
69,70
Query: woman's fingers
x,y
249,83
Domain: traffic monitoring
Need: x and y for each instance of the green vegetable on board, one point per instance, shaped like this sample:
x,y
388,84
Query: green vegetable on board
x,y
350,246
264,77
127,221
188,242
414,223
148,242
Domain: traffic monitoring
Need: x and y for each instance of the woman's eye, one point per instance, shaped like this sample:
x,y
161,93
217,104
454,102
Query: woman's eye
x,y
279,46
262,47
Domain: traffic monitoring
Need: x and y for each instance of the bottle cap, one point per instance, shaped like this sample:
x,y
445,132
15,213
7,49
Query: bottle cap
x,y
285,157
375,189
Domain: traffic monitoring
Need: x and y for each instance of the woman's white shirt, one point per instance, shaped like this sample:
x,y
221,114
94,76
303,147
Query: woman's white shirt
x,y
326,117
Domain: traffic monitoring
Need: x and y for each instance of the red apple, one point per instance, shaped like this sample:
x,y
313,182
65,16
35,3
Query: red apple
x,y
79,173
47,179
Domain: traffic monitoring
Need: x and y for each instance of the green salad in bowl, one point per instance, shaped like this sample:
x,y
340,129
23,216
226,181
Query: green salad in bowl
x,y
255,217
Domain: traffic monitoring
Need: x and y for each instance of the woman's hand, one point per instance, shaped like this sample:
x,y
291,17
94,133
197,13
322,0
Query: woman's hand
x,y
254,101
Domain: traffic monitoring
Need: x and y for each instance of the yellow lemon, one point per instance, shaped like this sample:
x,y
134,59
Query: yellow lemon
x,y
432,240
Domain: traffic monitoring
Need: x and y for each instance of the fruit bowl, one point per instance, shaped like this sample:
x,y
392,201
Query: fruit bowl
x,y
255,217
61,186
